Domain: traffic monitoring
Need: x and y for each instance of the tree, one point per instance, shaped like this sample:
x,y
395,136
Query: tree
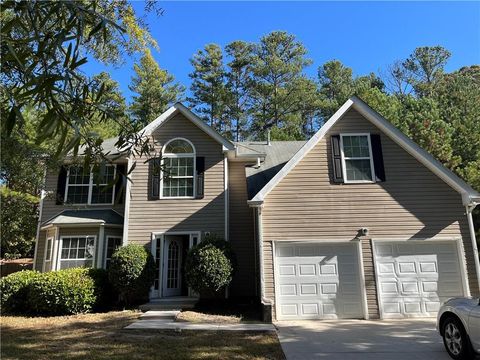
x,y
238,86
278,62
419,71
17,215
155,88
208,87
44,45
114,100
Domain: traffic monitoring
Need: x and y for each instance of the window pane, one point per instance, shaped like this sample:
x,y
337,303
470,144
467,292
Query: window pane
x,y
355,146
102,194
358,170
77,194
178,147
77,176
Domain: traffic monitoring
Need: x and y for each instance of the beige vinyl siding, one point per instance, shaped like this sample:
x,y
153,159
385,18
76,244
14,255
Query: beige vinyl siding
x,y
241,232
412,203
370,283
207,214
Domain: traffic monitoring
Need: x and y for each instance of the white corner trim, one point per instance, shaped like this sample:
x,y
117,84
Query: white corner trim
x,y
126,211
468,193
463,267
226,196
179,107
100,247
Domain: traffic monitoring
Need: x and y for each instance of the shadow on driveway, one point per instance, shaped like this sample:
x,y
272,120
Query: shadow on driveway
x,y
361,339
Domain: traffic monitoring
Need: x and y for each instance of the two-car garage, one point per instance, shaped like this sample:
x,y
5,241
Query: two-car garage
x,y
325,280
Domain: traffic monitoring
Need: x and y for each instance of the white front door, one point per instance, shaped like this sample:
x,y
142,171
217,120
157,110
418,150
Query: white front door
x,y
415,278
172,265
317,281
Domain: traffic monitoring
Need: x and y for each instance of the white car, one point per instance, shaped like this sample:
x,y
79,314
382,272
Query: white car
x,y
458,322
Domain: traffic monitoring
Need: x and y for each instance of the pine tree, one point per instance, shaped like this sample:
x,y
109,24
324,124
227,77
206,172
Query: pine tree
x,y
239,77
156,90
278,63
208,87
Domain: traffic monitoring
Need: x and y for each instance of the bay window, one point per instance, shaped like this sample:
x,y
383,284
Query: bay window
x,y
77,251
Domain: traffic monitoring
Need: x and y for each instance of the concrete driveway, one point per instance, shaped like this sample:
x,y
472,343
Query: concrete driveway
x,y
361,339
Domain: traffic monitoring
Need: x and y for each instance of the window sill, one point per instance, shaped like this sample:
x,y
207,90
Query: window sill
x,y
359,182
178,198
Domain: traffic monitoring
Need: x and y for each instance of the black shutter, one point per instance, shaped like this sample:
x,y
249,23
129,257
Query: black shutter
x,y
121,183
200,167
154,168
377,157
337,173
61,183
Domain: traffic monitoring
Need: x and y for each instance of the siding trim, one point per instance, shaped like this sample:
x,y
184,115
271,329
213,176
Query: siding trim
x,y
225,195
468,193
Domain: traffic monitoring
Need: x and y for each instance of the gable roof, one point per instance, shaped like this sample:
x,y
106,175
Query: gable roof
x,y
468,193
180,108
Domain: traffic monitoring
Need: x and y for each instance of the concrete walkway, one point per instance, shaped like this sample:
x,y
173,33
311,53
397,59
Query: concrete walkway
x,y
165,320
360,339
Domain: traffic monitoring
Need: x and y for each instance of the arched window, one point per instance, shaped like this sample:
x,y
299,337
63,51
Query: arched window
x,y
178,180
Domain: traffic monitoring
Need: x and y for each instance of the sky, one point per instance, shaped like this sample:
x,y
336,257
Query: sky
x,y
366,36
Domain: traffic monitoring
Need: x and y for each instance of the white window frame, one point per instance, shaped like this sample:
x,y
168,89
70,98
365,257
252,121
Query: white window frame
x,y
173,155
344,166
48,259
90,185
60,248
106,247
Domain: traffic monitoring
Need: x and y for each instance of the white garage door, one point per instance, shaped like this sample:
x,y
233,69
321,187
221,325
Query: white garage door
x,y
415,278
317,281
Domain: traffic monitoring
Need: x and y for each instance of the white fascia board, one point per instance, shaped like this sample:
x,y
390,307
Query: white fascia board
x,y
309,145
179,107
468,193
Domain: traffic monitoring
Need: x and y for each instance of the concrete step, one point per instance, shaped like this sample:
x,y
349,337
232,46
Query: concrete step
x,y
159,315
169,304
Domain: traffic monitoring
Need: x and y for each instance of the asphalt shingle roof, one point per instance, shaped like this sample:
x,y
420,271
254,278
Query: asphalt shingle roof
x,y
276,154
95,216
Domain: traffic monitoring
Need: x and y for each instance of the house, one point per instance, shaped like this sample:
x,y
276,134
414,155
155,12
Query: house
x,y
357,222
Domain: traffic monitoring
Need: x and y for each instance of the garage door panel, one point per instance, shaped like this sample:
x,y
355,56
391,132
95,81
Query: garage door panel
x,y
315,287
415,278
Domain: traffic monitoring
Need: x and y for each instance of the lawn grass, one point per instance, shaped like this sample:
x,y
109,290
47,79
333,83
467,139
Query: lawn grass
x,y
101,336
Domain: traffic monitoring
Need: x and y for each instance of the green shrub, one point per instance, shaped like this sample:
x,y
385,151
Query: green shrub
x,y
208,269
70,291
14,291
105,295
132,272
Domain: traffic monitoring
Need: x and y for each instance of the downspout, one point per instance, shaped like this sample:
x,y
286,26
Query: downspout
x,y
469,209
263,299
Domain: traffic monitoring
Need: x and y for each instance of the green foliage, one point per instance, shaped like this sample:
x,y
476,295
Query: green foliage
x,y
155,88
208,87
105,293
14,291
132,272
70,291
64,292
18,216
209,266
45,44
